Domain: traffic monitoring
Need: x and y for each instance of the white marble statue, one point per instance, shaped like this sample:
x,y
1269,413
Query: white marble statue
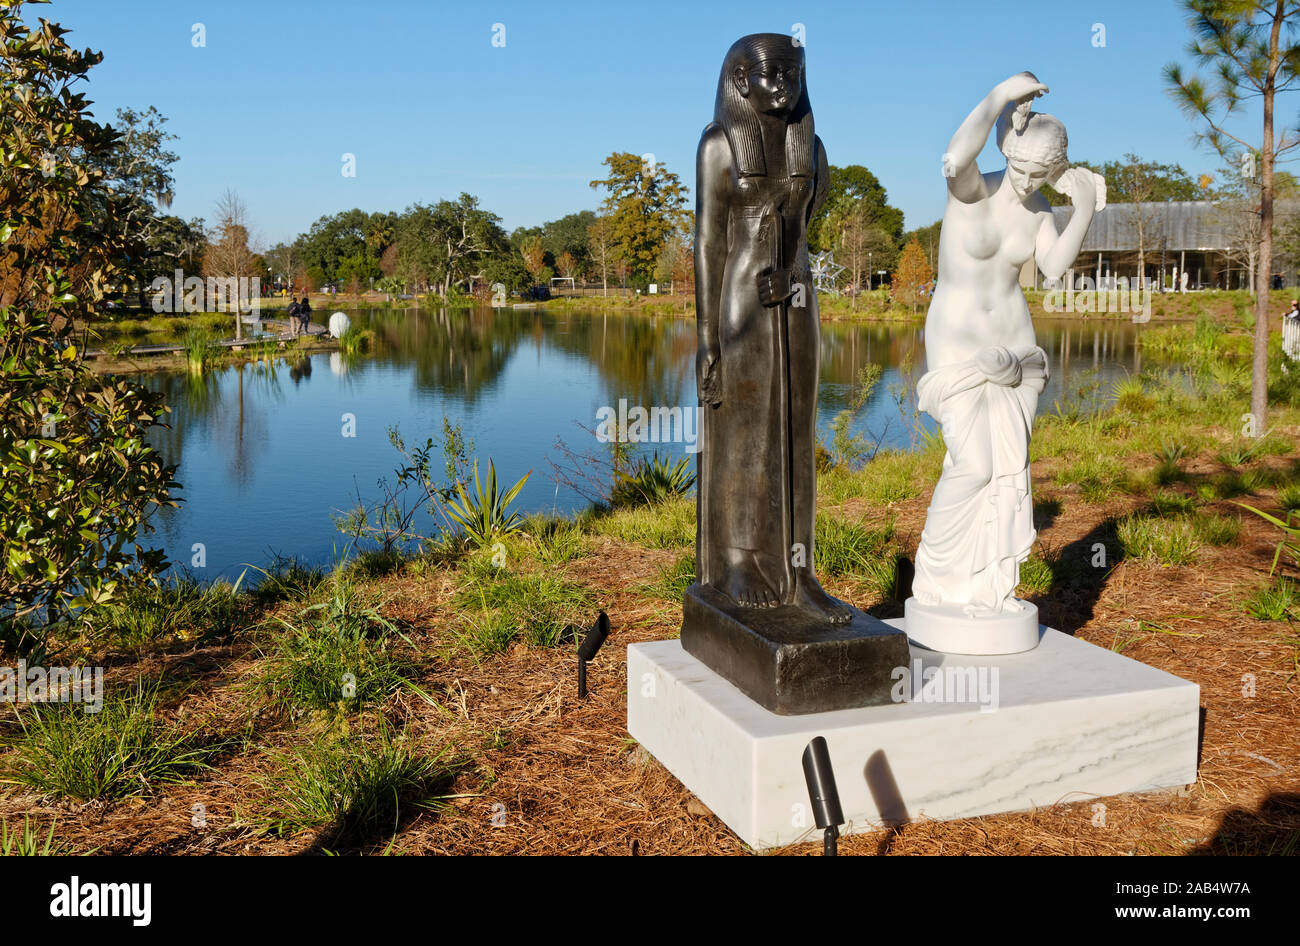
x,y
985,371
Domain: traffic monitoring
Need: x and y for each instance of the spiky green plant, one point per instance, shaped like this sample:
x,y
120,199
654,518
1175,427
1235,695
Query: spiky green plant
x,y
485,514
28,842
651,481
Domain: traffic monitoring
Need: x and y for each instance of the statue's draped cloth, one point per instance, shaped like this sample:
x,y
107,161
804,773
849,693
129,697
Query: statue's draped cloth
x,y
980,525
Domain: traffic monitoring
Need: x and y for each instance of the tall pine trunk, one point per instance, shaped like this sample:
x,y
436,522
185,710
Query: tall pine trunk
x,y
1264,265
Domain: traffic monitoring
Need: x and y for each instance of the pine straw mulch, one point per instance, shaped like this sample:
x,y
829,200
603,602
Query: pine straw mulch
x,y
544,773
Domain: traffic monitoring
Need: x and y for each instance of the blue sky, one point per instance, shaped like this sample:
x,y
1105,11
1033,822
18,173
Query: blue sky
x,y
430,108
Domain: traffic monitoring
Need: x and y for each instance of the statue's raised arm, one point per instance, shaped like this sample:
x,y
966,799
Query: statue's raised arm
x,y
964,179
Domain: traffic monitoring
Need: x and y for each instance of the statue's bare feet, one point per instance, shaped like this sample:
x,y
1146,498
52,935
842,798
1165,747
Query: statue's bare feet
x,y
746,585
810,596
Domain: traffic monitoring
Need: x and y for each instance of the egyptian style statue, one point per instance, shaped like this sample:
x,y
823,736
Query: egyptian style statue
x,y
985,371
761,175
757,613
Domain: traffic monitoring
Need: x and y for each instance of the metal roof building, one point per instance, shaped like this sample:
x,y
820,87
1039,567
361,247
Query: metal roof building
x,y
1204,238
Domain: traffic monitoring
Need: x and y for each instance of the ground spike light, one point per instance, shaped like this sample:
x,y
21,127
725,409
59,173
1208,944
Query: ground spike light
x,y
825,797
587,650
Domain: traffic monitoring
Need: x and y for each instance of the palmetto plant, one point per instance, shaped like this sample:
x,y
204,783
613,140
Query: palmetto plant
x,y
485,513
652,480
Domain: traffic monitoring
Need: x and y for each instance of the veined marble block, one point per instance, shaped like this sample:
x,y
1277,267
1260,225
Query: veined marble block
x,y
1067,721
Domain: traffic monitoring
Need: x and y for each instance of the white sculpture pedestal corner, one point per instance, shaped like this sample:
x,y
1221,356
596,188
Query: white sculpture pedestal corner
x,y
948,629
1064,722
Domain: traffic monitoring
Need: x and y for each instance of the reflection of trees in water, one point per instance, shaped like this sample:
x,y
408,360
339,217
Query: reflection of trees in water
x,y
230,405
1106,350
458,352
463,352
847,348
650,362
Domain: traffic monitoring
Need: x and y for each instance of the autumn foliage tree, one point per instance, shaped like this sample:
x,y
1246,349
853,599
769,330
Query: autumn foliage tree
x,y
913,275
534,257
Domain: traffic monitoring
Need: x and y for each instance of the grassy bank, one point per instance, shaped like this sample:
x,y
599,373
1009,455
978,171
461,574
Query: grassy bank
x,y
425,702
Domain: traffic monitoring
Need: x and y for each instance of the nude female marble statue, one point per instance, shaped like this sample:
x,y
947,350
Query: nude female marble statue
x,y
985,370
761,174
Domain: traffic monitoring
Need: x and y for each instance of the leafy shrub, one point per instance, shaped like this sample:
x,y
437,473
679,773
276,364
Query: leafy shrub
x,y
78,477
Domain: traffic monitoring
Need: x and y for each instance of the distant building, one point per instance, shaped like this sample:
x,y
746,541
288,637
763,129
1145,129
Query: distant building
x,y
1205,239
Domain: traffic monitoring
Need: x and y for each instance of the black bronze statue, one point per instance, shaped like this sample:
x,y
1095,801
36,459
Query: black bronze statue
x,y
758,615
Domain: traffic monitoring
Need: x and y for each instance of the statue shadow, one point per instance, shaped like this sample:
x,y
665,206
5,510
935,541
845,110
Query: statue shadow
x,y
1046,512
1271,829
346,837
1080,571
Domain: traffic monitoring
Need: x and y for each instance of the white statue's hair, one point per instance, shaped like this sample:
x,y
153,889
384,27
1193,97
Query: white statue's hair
x,y
1040,139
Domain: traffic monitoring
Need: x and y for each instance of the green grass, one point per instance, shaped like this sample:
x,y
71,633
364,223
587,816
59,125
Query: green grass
x,y
198,350
355,341
891,476
179,609
334,653
1165,541
353,787
1037,574
1166,473
675,579
1226,485
1131,396
1264,477
374,563
1096,477
1276,601
29,842
1166,504
555,541
849,548
121,751
500,606
287,579
1215,529
1288,497
659,526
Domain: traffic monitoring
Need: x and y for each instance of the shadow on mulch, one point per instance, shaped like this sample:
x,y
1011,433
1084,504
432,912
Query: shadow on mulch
x,y
346,838
1273,828
1079,586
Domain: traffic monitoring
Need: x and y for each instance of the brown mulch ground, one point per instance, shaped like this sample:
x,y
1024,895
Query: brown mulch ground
x,y
550,774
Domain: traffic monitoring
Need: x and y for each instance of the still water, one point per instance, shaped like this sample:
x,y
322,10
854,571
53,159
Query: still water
x,y
267,456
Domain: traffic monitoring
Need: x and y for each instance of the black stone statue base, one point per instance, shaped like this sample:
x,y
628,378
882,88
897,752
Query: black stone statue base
x,y
788,662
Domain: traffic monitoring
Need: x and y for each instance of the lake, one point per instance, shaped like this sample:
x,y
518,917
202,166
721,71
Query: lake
x,y
267,456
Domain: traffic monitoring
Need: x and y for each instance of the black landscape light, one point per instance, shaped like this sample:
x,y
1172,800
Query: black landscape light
x,y
587,650
825,797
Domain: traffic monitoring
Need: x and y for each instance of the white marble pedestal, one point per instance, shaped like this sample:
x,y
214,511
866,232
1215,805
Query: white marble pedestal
x,y
948,629
1064,722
